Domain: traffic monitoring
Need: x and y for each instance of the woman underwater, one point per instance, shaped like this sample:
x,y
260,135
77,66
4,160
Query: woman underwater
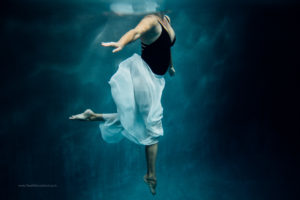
x,y
137,88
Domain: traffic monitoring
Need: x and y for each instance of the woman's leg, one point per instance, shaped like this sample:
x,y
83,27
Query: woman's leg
x,y
151,153
150,177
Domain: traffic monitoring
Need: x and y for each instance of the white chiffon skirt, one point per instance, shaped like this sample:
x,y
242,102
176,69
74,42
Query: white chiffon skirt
x,y
137,92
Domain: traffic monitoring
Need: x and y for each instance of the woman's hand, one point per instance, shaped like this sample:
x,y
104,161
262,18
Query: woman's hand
x,y
172,71
118,46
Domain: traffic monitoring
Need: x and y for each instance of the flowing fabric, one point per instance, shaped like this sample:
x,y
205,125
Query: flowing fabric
x,y
137,92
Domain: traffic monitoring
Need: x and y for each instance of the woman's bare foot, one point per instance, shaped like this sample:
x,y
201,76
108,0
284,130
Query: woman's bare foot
x,y
87,115
151,182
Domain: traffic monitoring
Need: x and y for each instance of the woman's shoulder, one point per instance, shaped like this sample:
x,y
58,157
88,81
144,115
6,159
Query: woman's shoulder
x,y
150,18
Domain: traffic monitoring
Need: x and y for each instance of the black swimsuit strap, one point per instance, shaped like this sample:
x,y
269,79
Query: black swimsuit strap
x,y
163,29
172,42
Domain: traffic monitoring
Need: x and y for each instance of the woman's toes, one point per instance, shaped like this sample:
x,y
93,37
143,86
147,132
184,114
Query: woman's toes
x,y
79,117
151,182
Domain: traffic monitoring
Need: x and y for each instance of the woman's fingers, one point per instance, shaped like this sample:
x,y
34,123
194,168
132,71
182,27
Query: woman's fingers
x,y
109,44
112,44
117,49
172,71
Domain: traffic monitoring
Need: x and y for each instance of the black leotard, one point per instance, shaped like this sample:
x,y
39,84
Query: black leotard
x,y
158,54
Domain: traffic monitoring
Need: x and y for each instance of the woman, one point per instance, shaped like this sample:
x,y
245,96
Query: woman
x,y
137,88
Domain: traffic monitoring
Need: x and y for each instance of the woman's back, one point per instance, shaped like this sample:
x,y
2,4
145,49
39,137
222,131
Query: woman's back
x,y
157,53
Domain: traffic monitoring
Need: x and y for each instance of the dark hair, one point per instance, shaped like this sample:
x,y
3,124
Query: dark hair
x,y
159,14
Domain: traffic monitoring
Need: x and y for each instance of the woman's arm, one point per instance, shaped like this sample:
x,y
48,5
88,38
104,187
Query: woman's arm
x,y
143,27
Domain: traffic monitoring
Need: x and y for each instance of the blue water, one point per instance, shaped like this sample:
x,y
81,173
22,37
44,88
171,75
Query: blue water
x,y
222,135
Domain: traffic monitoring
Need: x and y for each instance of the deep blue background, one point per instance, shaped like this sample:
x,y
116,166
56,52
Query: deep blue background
x,y
231,114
